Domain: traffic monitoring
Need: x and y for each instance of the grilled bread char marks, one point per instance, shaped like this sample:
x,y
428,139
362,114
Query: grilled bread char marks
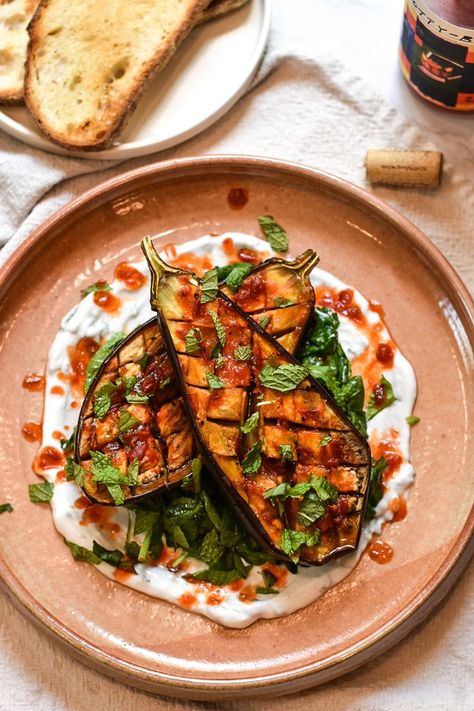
x,y
222,392
161,435
88,62
14,18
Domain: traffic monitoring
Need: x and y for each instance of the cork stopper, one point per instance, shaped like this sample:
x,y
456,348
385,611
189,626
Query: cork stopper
x,y
420,169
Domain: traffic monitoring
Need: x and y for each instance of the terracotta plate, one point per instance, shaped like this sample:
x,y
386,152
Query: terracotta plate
x,y
159,647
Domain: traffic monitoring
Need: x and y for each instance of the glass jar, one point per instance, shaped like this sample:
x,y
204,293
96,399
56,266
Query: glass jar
x,y
437,51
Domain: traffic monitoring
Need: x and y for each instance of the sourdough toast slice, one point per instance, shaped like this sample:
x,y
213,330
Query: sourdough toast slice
x,y
88,63
14,18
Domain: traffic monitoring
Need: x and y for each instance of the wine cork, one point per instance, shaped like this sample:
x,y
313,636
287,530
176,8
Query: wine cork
x,y
420,169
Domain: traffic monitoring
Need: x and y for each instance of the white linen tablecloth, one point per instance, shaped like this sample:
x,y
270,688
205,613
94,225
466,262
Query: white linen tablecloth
x,y
304,106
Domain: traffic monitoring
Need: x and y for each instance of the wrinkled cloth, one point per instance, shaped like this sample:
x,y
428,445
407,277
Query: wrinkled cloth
x,y
303,106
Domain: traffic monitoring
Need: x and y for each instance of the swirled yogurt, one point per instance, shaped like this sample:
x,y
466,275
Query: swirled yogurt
x,y
389,434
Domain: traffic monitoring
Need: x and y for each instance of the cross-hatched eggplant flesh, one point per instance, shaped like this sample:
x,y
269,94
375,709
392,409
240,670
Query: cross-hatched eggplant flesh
x,y
159,433
299,435
163,437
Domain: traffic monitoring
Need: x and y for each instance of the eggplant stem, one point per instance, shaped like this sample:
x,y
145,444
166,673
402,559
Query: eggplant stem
x,y
305,263
157,266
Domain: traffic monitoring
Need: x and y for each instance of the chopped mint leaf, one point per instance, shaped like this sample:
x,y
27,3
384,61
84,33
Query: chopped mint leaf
x,y
193,340
269,581
82,555
75,471
220,330
283,377
287,453
243,353
237,275
127,421
217,577
263,322
99,357
275,234
103,399
67,445
412,420
250,423
164,383
209,286
6,508
291,541
196,467
41,493
111,557
375,486
213,381
252,461
325,440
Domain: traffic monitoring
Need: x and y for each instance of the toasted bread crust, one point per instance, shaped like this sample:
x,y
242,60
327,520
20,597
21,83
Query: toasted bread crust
x,y
218,8
103,130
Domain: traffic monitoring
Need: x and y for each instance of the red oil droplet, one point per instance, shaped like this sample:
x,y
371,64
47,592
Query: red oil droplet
x,y
380,551
106,301
31,431
187,600
48,458
398,507
57,390
237,198
131,277
34,382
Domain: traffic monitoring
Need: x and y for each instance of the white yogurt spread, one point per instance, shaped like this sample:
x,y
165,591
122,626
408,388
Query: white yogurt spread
x,y
86,319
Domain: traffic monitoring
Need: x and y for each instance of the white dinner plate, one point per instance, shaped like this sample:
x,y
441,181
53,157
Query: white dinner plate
x,y
209,72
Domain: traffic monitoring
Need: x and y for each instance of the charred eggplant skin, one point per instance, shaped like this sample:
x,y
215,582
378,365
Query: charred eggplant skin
x,y
141,491
242,509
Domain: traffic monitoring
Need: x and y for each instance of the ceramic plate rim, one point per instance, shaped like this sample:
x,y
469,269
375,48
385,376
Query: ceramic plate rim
x,y
135,149
384,637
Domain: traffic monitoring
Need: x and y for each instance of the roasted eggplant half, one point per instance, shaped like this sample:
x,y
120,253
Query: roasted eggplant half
x,y
294,468
133,410
134,435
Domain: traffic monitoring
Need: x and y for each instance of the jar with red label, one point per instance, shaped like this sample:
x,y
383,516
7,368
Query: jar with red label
x,y
437,51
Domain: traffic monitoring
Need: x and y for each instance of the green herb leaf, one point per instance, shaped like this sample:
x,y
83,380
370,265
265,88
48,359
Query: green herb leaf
x,y
209,286
287,453
381,398
219,360
196,467
310,509
375,486
269,581
164,383
82,554
98,286
67,445
214,382
99,356
137,398
281,302
237,275
193,340
291,541
217,577
127,421
263,322
220,330
250,423
275,234
243,353
283,377
75,471
41,493
111,557
327,439
328,363
143,361
103,399
6,508
104,472
319,484
252,461
412,420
